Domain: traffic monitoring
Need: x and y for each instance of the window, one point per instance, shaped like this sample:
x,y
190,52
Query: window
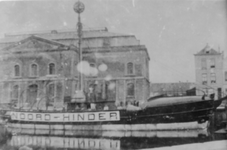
x,y
212,78
93,72
15,92
16,70
204,78
212,70
212,63
76,86
111,90
226,76
130,89
130,68
52,68
51,94
106,42
203,64
15,95
32,93
92,65
34,70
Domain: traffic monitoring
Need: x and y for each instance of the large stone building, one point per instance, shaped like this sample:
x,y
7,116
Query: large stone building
x,y
40,69
209,70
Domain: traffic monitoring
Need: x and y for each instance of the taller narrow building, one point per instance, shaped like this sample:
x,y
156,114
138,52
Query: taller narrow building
x,y
209,70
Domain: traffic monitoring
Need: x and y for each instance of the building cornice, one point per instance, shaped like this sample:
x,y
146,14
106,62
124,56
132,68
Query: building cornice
x,y
40,51
115,49
69,78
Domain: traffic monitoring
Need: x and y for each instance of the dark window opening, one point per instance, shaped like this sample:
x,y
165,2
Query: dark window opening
x,y
51,68
17,70
204,79
34,70
92,65
15,92
213,78
50,94
204,82
212,63
15,95
130,68
130,89
32,93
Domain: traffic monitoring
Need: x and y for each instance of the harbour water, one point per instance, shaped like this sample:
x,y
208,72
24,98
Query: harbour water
x,y
102,140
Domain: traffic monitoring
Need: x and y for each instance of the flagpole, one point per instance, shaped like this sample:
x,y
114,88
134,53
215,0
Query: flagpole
x,y
79,96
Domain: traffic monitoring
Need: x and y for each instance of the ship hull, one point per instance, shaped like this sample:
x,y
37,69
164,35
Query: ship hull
x,y
194,115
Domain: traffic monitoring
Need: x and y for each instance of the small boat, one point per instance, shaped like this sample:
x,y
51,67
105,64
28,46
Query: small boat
x,y
160,113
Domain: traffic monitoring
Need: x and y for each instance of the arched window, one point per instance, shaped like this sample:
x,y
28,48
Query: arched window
x,y
51,93
52,68
15,92
130,68
34,70
130,89
32,93
16,70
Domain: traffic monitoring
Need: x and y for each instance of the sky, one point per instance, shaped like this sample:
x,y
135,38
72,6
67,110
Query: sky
x,y
172,30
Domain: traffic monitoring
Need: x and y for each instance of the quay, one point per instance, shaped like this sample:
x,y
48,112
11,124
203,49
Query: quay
x,y
214,145
219,120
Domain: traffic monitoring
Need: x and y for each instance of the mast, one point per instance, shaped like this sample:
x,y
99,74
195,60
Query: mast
x,y
79,95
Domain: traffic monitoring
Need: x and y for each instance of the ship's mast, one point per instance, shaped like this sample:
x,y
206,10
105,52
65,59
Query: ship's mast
x,y
79,96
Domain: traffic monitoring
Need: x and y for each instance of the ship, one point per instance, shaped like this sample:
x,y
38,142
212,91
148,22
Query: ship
x,y
156,113
163,113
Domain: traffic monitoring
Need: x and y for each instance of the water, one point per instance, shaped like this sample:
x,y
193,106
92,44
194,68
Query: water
x,y
100,140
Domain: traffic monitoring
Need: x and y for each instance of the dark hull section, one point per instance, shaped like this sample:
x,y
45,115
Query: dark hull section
x,y
186,112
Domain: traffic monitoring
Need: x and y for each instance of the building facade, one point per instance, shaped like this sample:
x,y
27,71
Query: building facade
x,y
40,69
209,71
225,76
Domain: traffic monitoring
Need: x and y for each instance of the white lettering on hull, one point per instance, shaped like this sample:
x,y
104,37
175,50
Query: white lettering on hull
x,y
66,117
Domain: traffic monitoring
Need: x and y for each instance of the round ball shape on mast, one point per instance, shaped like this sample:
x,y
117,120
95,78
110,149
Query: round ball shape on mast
x,y
79,95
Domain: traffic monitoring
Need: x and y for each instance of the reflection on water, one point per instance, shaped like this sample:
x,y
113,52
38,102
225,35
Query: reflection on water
x,y
98,140
64,142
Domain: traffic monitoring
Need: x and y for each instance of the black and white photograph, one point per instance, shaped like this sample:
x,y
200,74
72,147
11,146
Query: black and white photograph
x,y
113,74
